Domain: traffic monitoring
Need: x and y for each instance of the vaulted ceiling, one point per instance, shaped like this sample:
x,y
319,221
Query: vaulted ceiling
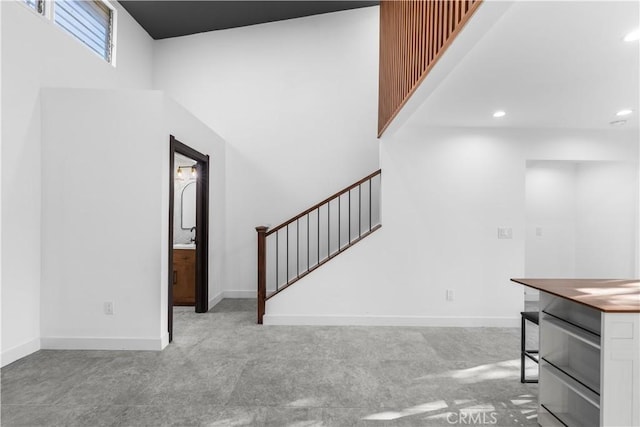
x,y
163,19
547,64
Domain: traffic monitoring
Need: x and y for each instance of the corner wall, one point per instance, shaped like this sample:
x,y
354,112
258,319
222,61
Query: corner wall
x,y
444,194
105,215
38,54
550,212
606,200
579,218
296,101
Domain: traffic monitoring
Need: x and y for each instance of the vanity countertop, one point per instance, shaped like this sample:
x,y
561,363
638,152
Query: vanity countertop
x,y
608,295
188,246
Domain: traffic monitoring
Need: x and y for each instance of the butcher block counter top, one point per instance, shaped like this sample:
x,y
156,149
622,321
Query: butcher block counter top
x,y
607,295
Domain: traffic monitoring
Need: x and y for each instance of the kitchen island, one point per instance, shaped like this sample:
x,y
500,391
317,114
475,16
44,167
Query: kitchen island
x,y
589,351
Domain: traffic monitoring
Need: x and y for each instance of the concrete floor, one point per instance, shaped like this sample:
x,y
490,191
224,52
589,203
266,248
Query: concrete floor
x,y
223,370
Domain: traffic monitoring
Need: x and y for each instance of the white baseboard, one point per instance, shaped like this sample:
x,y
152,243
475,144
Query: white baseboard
x,y
164,340
502,322
215,300
92,343
19,351
231,294
239,294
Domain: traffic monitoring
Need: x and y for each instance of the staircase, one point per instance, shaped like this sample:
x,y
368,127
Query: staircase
x,y
293,249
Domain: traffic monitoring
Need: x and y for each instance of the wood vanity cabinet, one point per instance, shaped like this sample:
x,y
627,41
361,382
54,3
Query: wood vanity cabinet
x,y
184,277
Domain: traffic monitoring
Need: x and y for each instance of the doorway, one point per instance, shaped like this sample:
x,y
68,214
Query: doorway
x,y
189,223
580,219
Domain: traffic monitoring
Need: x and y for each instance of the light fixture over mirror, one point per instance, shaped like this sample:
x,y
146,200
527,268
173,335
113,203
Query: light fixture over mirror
x,y
180,175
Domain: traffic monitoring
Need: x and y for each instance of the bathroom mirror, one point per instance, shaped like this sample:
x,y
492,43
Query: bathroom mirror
x,y
188,206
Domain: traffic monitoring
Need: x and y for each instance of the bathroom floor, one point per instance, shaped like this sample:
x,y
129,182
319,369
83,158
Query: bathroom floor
x,y
224,370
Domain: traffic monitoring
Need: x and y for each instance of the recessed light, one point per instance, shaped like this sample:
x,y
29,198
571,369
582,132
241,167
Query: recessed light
x,y
499,113
624,112
618,123
633,36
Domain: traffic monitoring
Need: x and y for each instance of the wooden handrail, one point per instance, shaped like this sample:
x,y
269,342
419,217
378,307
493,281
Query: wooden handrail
x,y
264,232
320,264
325,201
262,271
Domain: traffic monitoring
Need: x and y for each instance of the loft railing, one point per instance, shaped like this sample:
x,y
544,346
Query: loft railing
x,y
295,248
413,36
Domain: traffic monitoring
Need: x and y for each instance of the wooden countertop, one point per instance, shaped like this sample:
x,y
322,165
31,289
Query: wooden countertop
x,y
608,295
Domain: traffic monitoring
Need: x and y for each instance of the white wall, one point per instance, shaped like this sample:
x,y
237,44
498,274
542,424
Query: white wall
x,y
297,103
105,215
580,219
550,241
101,216
37,54
606,206
445,192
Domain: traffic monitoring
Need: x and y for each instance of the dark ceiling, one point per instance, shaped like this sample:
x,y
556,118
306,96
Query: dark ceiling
x,y
163,19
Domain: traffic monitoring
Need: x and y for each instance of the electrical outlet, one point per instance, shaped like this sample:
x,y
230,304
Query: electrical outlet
x,y
449,294
539,231
108,308
505,233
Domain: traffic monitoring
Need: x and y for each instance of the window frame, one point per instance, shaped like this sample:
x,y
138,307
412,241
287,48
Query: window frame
x,y
46,9
39,9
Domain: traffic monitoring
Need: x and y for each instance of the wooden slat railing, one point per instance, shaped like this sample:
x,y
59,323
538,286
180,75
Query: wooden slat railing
x,y
295,248
413,36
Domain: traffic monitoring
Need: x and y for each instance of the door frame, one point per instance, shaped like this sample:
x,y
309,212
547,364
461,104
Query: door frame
x,y
202,227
